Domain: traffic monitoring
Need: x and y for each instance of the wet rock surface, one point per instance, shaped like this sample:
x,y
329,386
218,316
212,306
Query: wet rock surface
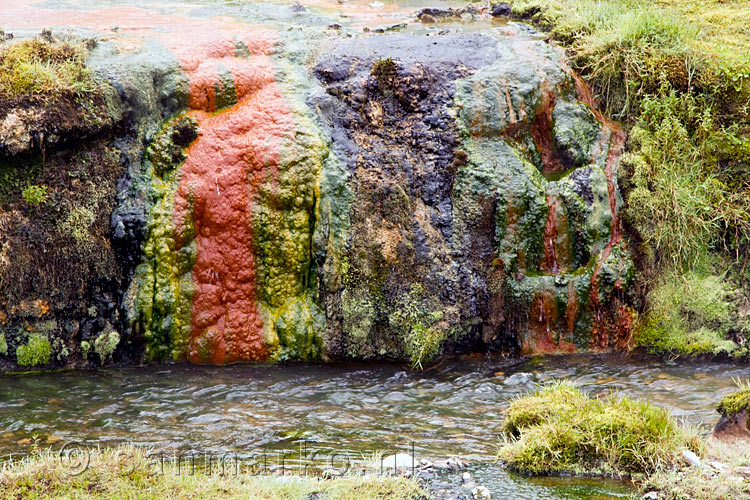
x,y
314,194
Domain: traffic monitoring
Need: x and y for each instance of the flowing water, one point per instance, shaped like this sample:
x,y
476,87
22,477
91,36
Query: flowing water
x,y
453,409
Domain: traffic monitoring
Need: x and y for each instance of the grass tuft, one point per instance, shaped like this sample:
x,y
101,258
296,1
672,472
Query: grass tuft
x,y
558,429
127,472
44,66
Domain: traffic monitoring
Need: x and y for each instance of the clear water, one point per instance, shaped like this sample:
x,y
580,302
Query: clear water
x,y
453,409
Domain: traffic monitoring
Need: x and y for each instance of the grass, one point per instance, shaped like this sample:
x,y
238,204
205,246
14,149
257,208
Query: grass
x,y
690,314
44,66
677,72
558,430
127,472
704,483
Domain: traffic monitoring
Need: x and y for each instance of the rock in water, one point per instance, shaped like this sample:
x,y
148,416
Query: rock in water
x,y
398,461
734,423
481,493
501,10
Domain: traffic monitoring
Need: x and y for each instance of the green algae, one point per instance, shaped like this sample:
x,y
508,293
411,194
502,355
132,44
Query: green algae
x,y
161,291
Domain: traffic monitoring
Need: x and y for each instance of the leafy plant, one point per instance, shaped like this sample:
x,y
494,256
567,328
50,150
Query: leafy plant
x,y
35,195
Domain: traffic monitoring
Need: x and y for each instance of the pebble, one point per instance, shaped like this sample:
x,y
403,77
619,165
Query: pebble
x,y
456,463
718,465
742,472
425,464
691,458
481,493
330,474
398,461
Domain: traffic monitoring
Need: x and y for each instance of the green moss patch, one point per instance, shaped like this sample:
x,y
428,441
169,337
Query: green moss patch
x,y
734,403
36,352
690,314
558,429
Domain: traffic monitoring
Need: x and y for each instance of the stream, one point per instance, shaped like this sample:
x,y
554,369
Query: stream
x,y
340,411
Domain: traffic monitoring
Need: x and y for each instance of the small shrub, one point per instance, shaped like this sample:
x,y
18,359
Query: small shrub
x,y
558,429
35,195
36,352
421,334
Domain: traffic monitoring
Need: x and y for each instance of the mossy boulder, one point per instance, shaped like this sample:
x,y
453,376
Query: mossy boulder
x,y
734,410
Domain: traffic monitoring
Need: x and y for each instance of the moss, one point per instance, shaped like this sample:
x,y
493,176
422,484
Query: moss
x,y
3,344
734,403
558,429
85,348
36,352
105,345
44,66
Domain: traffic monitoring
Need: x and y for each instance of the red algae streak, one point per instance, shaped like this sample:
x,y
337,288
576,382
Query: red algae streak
x,y
541,132
543,319
236,151
556,253
613,326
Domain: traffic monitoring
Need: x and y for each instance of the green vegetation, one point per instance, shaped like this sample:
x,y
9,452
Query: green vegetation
x,y
105,344
704,483
35,195
3,344
691,314
558,429
127,473
736,402
44,66
422,336
384,71
36,352
85,348
678,72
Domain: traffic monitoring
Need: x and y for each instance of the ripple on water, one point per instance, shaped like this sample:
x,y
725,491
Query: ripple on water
x,y
454,409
